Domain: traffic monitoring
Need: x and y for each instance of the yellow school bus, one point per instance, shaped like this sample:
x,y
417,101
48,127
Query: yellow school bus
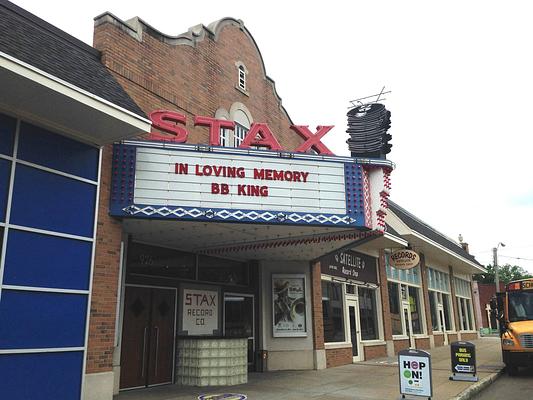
x,y
515,315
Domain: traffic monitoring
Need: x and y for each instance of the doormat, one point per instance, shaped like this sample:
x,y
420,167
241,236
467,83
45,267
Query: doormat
x,y
224,396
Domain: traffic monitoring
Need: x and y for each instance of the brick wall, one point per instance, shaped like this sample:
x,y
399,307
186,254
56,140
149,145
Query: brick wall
x,y
387,329
469,336
318,319
425,291
194,80
486,292
422,344
372,352
337,357
191,80
401,345
105,278
438,340
452,338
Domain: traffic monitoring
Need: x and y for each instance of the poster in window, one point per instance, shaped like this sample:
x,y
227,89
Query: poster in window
x,y
288,306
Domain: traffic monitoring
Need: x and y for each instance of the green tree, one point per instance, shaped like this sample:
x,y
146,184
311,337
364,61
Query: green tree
x,y
507,273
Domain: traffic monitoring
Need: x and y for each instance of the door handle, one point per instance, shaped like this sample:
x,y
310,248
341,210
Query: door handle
x,y
156,347
144,351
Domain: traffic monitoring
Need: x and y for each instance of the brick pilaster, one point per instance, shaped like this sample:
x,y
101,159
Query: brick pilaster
x,y
105,278
387,328
318,319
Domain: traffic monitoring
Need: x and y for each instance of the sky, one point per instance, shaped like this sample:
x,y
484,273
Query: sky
x,y
460,76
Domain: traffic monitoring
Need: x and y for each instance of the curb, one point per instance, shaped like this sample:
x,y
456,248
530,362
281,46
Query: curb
x,y
478,387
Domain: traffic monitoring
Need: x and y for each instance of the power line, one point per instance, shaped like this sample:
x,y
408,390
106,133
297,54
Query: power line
x,y
517,258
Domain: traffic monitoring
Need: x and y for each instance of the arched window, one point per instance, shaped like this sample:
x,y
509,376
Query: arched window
x,y
242,78
243,121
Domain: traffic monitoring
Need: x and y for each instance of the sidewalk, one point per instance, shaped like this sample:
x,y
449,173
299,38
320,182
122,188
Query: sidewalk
x,y
374,379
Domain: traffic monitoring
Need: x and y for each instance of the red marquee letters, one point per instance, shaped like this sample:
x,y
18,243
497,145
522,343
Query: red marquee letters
x,y
259,134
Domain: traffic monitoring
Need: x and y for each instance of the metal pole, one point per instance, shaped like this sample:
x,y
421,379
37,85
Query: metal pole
x,y
495,265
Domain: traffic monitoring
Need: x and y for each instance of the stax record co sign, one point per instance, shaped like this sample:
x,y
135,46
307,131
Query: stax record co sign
x,y
259,134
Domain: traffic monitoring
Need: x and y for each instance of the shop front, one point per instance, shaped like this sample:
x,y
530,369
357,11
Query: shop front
x,y
351,305
217,252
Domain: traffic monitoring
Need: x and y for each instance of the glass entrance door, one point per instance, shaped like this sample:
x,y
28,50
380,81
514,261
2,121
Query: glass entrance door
x,y
408,324
239,320
355,330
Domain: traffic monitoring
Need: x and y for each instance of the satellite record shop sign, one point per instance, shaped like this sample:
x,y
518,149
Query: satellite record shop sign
x,y
179,181
350,265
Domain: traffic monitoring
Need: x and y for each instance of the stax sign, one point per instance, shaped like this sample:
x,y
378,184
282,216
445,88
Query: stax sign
x,y
404,259
259,134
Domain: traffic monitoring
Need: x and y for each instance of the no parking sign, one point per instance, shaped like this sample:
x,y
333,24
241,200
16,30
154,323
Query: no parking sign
x,y
415,373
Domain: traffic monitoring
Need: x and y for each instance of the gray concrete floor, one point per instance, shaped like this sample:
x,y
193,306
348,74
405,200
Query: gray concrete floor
x,y
375,379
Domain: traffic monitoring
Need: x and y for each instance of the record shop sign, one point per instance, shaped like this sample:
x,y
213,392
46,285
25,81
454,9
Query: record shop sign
x,y
404,259
350,265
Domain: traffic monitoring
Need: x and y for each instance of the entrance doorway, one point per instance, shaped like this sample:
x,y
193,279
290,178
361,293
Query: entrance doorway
x,y
239,320
352,304
147,349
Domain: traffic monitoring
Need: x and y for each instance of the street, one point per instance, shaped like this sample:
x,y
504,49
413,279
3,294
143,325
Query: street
x,y
506,387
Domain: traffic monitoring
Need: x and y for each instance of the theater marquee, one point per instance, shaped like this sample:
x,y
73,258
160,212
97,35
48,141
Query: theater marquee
x,y
187,182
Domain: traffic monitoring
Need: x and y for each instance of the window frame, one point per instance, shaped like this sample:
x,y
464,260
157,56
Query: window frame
x,y
435,291
462,298
421,301
346,297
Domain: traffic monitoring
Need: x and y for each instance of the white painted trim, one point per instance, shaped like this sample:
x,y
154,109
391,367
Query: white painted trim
x,y
42,350
50,233
369,343
44,289
56,172
445,250
337,345
65,88
7,158
396,239
91,277
3,250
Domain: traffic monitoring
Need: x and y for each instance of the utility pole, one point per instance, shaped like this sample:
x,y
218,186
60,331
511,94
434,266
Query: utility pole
x,y
495,265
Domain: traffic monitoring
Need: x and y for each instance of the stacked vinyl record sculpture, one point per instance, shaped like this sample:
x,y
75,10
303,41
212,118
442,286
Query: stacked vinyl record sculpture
x,y
367,126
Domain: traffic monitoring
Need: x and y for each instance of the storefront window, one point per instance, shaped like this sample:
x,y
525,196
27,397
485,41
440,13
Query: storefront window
x,y
439,300
395,309
219,270
447,311
464,304
416,313
434,311
333,312
368,314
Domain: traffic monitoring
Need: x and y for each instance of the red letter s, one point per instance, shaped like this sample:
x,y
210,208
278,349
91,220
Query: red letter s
x,y
167,122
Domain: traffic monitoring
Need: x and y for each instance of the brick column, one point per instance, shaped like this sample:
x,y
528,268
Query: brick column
x,y
454,303
382,271
318,319
105,278
425,291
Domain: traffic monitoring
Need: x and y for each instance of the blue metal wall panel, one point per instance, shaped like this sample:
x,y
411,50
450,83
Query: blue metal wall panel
x,y
41,320
47,201
7,134
52,262
39,146
5,169
41,376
